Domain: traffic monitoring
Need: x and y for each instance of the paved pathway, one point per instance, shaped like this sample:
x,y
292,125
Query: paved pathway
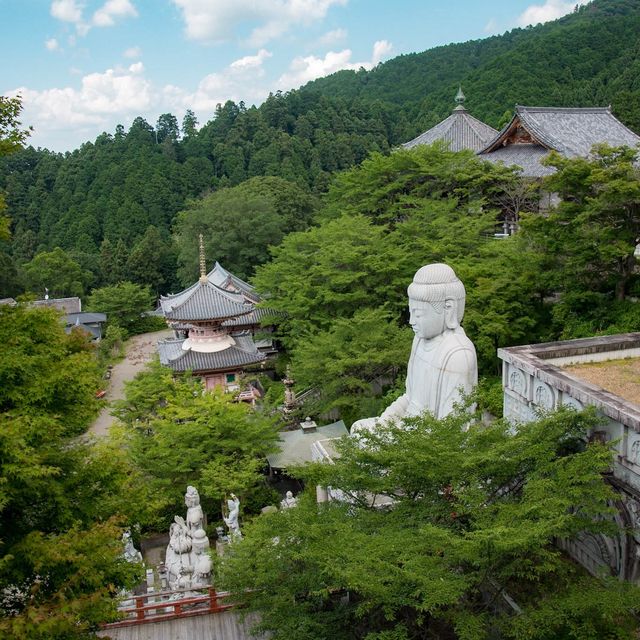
x,y
139,350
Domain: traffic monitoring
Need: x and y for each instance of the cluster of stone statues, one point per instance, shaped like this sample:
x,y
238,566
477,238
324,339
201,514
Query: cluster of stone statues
x,y
187,559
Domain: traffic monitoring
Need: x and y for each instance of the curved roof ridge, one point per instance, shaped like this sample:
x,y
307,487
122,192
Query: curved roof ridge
x,y
473,122
225,304
565,109
542,136
171,296
460,129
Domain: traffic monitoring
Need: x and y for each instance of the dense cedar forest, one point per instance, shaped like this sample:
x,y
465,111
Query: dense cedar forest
x,y
112,205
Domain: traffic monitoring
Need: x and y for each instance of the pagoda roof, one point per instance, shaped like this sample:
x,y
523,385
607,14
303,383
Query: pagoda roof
x,y
241,354
204,301
254,317
461,130
224,279
572,132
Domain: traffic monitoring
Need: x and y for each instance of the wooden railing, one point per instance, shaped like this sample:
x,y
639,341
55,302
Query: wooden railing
x,y
168,605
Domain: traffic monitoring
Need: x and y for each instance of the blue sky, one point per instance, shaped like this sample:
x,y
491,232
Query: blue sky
x,y
84,66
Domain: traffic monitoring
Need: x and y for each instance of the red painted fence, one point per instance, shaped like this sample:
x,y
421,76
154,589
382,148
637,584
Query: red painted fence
x,y
167,605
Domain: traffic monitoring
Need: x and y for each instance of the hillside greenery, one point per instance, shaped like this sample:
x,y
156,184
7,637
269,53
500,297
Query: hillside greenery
x,y
112,205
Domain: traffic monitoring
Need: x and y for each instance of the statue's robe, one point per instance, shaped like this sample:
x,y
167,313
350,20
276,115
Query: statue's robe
x,y
440,372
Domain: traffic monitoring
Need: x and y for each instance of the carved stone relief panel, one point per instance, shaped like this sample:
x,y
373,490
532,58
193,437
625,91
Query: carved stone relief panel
x,y
517,381
543,395
568,401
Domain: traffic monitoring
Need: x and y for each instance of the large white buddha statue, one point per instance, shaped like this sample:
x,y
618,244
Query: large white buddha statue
x,y
443,366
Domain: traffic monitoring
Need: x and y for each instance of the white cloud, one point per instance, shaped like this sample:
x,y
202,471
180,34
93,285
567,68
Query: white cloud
x,y
71,11
236,82
491,26
550,10
66,117
208,21
52,44
100,96
132,52
331,38
307,68
251,62
112,9
381,50
66,10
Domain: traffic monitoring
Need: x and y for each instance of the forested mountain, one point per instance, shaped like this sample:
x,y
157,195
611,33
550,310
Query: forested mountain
x,y
119,196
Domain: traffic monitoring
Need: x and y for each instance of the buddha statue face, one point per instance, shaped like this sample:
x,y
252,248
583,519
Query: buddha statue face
x,y
429,319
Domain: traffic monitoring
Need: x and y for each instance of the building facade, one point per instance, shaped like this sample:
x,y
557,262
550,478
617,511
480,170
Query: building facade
x,y
581,373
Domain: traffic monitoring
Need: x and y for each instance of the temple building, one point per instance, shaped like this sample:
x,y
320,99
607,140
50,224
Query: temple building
x,y
215,321
461,130
601,372
535,131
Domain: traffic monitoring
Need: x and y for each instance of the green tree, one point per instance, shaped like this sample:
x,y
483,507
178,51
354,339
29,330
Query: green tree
x,y
63,501
240,223
351,361
124,303
56,271
177,435
436,523
12,137
152,262
594,230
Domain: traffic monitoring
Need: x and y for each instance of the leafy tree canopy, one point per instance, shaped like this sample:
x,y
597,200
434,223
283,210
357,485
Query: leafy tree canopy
x,y
435,523
63,501
589,240
178,435
57,272
124,303
240,223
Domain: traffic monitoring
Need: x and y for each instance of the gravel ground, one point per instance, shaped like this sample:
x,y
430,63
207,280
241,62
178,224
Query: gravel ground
x,y
139,350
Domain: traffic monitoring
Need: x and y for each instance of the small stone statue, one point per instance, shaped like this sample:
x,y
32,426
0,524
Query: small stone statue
x,y
443,366
200,559
232,519
177,557
289,501
222,536
130,553
195,516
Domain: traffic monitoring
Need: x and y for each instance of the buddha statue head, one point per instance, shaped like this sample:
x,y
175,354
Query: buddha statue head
x,y
436,301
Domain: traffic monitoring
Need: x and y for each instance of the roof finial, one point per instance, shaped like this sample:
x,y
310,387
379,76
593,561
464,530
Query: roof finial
x,y
203,263
460,98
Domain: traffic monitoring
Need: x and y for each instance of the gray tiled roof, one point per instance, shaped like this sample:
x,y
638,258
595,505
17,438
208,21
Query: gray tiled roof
x,y
204,301
461,130
226,280
68,305
243,353
85,317
252,318
527,156
571,132
295,446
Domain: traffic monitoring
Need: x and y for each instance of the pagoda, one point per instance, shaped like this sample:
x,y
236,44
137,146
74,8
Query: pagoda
x,y
214,322
460,130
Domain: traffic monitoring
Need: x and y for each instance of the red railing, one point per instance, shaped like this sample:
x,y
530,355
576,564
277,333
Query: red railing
x,y
167,605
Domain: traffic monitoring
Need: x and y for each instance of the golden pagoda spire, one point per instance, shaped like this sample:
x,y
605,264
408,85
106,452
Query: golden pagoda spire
x,y
203,263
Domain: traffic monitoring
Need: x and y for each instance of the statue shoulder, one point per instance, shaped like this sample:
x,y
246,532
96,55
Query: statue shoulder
x,y
460,352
